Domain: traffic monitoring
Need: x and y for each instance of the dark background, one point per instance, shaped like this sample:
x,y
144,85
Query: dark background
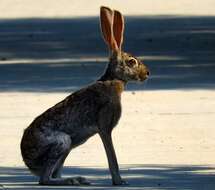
x,y
51,55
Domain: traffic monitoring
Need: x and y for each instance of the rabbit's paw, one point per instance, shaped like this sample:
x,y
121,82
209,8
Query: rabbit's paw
x,y
120,182
78,181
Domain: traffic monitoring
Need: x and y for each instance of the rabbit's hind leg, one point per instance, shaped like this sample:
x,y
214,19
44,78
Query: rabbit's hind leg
x,y
54,159
54,162
57,173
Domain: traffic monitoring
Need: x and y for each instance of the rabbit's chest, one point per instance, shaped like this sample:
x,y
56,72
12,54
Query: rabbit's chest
x,y
116,111
111,114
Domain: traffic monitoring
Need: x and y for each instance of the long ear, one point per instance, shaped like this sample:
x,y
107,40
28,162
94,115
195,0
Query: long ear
x,y
118,28
106,21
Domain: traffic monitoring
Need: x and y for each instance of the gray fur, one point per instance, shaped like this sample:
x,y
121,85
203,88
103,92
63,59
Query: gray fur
x,y
95,109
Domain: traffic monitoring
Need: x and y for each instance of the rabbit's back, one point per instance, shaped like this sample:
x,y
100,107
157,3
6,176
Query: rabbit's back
x,y
83,108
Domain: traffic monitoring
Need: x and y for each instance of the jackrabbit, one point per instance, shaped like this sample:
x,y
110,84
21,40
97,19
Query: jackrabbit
x,y
95,109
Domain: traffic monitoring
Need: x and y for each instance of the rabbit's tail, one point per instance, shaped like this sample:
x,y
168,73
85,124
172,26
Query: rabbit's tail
x,y
35,169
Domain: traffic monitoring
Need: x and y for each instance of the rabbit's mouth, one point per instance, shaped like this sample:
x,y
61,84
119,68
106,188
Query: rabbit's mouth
x,y
144,74
142,79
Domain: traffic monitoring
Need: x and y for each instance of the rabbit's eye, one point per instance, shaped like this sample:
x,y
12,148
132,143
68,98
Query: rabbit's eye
x,y
132,62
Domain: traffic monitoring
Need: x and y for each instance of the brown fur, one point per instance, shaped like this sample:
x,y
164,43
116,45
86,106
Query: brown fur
x,y
94,109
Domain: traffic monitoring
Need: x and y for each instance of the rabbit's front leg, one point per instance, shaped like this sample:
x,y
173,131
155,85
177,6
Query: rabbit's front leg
x,y
112,160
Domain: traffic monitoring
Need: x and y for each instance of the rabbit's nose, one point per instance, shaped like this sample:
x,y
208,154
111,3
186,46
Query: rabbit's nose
x,y
147,73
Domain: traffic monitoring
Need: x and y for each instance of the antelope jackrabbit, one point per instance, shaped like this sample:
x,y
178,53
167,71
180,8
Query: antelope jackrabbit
x,y
95,109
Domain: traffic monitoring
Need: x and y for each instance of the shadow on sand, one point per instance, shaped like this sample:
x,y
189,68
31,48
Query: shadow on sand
x,y
138,176
53,55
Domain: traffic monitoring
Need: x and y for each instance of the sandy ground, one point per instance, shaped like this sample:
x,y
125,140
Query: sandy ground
x,y
165,138
165,127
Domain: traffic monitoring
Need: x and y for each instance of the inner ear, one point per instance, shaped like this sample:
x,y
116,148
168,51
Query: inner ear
x,y
106,21
118,28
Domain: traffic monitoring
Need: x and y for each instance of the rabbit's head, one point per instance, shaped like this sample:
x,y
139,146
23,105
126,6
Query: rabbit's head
x,y
122,66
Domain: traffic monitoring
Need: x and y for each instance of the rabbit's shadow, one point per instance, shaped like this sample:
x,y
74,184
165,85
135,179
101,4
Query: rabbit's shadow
x,y
138,176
